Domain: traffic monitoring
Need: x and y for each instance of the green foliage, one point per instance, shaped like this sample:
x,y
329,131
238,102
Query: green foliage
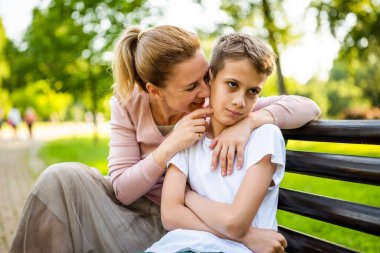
x,y
43,99
359,55
4,67
68,45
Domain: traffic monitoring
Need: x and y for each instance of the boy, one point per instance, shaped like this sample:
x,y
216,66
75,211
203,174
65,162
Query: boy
x,y
228,207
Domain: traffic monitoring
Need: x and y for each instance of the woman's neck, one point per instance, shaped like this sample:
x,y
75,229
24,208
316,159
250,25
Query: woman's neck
x,y
162,113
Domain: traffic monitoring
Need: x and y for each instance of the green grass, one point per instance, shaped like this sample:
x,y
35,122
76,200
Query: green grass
x,y
84,150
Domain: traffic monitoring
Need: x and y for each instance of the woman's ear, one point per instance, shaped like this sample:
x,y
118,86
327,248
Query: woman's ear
x,y
153,90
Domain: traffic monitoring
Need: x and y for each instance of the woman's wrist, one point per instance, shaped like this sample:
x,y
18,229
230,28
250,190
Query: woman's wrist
x,y
162,155
259,118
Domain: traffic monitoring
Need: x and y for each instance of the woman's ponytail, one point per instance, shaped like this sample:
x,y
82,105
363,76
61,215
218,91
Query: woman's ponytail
x,y
124,67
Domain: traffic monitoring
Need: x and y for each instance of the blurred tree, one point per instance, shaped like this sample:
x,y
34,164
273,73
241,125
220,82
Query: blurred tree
x,y
4,67
266,19
357,25
68,45
4,72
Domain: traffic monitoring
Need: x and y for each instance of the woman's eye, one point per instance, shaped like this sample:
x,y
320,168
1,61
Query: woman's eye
x,y
192,87
206,78
232,84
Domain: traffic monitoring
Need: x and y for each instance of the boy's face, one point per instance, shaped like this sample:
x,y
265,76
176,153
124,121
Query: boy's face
x,y
234,91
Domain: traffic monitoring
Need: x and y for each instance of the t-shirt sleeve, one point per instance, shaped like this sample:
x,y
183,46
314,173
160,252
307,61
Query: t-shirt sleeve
x,y
267,140
181,161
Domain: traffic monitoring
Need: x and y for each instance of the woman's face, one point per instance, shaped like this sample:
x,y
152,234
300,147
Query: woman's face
x,y
186,89
234,91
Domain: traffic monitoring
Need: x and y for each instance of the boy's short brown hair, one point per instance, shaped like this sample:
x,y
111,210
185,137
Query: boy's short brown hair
x,y
239,46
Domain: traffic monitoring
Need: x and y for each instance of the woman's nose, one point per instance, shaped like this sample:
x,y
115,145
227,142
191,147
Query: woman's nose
x,y
205,90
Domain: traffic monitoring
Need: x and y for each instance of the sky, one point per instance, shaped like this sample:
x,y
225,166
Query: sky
x,y
310,56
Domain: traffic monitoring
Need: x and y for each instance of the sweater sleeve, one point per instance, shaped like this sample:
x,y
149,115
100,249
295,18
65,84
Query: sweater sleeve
x,y
289,111
131,176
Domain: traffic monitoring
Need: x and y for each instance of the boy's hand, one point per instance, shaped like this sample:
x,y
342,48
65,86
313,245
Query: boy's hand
x,y
230,143
264,241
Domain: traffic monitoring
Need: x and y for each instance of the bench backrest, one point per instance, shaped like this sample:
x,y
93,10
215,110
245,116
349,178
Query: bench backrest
x,y
365,170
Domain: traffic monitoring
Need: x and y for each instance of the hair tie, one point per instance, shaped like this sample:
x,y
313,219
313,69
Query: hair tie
x,y
140,34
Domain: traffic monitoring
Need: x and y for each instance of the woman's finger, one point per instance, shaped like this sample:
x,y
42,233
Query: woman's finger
x,y
214,142
240,156
230,159
200,113
200,129
223,160
215,157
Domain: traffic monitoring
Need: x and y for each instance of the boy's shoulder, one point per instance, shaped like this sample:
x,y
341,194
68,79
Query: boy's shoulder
x,y
266,129
265,135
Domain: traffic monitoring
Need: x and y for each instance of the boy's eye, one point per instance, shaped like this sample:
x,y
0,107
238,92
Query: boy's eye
x,y
232,84
254,91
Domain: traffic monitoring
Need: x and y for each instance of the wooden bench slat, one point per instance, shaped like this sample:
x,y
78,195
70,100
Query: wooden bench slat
x,y
341,167
345,131
300,242
343,213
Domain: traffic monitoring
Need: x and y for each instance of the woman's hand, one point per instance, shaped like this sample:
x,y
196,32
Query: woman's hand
x,y
188,130
230,143
261,240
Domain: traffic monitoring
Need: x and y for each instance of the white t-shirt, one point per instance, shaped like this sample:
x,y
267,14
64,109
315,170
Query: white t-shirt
x,y
195,163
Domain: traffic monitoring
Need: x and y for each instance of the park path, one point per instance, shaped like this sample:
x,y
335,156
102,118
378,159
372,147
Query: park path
x,y
18,164
19,167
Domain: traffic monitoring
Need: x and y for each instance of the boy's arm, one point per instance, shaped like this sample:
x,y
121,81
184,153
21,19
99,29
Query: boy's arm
x,y
234,220
174,213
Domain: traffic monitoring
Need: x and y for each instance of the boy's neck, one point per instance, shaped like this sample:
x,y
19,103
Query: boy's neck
x,y
215,128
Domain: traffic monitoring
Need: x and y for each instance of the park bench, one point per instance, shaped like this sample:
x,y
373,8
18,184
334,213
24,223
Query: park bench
x,y
359,169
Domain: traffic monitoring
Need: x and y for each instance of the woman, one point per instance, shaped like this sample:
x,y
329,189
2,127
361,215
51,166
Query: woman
x,y
159,82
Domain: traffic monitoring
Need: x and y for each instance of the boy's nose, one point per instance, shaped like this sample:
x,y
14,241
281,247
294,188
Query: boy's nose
x,y
238,101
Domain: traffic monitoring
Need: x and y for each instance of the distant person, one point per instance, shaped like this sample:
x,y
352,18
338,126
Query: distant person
x,y
30,118
14,119
1,117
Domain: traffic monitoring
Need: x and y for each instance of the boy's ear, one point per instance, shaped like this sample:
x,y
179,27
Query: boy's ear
x,y
210,76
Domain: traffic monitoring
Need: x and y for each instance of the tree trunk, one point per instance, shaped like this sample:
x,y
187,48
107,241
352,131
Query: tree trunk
x,y
269,24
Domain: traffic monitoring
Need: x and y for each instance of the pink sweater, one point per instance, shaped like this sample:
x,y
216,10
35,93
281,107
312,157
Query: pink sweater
x,y
134,136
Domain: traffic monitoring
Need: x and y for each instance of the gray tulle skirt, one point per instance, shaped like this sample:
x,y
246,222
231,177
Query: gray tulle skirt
x,y
72,208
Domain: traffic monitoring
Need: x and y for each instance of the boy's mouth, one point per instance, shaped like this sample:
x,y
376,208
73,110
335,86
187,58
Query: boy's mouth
x,y
234,112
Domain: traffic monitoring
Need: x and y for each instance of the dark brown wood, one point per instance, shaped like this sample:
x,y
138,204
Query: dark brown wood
x,y
347,214
300,242
341,167
345,131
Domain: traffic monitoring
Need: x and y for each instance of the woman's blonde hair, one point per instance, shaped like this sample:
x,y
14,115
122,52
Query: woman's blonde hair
x,y
149,56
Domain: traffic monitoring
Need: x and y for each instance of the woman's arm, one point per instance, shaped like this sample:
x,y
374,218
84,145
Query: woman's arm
x,y
132,176
286,112
234,220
